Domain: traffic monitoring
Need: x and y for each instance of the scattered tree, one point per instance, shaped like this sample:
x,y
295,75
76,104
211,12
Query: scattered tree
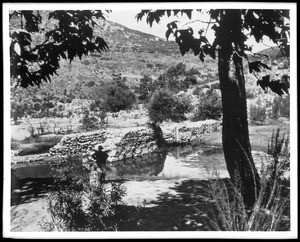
x,y
119,96
209,106
165,106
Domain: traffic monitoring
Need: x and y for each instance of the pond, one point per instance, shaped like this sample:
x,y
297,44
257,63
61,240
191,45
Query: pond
x,y
178,162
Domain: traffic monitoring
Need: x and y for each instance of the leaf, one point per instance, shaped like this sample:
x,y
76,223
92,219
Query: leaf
x,y
277,86
196,47
102,45
209,50
168,13
182,49
141,14
256,66
63,55
168,32
201,56
173,25
188,13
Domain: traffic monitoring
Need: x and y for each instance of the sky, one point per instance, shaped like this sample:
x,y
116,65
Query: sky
x,y
124,13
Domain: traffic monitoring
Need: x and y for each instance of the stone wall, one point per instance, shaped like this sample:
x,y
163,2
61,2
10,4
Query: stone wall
x,y
123,144
191,131
118,145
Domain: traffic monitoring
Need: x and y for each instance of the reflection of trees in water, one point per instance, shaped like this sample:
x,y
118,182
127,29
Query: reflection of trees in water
x,y
186,150
148,165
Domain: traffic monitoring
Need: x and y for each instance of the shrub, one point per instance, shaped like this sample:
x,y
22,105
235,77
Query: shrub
x,y
102,116
17,111
145,88
270,212
209,107
43,126
281,107
82,206
119,97
89,122
32,130
258,114
278,147
166,106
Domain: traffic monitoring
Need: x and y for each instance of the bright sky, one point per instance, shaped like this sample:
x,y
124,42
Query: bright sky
x,y
125,12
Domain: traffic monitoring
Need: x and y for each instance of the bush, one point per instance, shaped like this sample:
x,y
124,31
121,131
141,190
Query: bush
x,y
82,206
281,107
209,107
145,88
89,122
119,97
278,147
166,106
258,114
270,212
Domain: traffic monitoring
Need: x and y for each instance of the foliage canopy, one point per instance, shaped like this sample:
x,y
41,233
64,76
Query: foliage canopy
x,y
72,36
258,23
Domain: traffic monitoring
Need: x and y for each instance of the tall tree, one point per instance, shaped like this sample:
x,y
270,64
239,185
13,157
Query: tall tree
x,y
230,26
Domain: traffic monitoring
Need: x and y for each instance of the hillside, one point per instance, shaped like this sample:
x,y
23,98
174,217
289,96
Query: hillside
x,y
132,54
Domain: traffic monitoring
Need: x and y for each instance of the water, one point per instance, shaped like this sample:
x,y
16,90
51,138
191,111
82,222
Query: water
x,y
179,162
193,163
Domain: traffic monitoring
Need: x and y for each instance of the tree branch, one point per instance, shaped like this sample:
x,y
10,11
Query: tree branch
x,y
198,20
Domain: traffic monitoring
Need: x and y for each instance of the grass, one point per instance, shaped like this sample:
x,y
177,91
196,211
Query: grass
x,y
271,211
259,135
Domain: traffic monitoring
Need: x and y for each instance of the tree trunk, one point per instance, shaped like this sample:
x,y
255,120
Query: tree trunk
x,y
159,136
235,133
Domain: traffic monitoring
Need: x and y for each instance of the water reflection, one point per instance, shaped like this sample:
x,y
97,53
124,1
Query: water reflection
x,y
193,162
177,162
148,165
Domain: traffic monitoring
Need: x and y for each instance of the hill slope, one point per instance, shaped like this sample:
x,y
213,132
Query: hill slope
x,y
131,55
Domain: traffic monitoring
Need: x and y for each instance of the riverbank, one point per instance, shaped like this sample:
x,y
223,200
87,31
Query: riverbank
x,y
161,203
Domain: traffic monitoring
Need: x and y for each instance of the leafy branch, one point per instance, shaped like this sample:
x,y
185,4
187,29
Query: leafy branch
x,y
73,36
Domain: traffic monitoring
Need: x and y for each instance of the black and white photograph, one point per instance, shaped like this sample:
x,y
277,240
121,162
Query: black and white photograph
x,y
150,120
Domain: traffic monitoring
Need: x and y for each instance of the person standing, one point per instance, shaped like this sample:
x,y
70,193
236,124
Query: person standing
x,y
101,158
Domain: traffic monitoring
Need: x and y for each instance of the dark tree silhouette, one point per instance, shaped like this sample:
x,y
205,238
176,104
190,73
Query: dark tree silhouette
x,y
229,47
71,36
